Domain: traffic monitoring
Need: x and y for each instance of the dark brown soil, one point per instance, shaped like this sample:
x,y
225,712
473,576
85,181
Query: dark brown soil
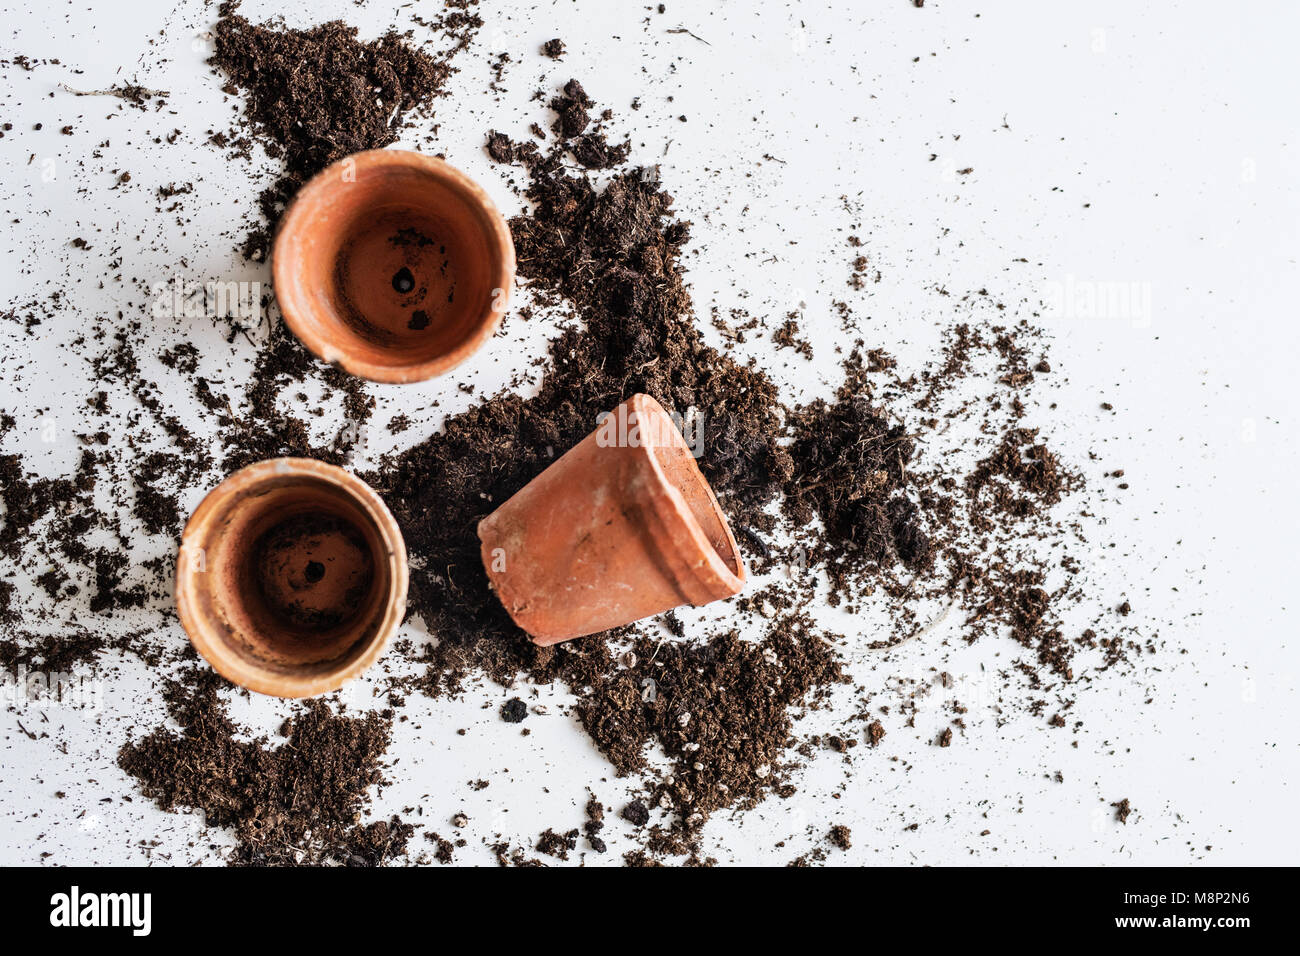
x,y
558,845
51,653
314,96
841,836
292,803
851,473
636,813
1122,810
514,711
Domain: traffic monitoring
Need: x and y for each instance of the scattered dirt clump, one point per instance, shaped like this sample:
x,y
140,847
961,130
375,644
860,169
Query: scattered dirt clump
x,y
314,96
290,804
851,473
841,836
1122,810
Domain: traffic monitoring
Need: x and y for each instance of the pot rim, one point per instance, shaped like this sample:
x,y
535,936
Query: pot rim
x,y
286,294
717,578
214,651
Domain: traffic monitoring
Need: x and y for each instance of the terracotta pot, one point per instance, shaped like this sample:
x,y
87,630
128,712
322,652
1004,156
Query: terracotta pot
x,y
291,577
621,527
393,265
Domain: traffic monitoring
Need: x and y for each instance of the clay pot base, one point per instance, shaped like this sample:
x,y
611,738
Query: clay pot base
x,y
290,579
313,572
395,284
395,281
393,265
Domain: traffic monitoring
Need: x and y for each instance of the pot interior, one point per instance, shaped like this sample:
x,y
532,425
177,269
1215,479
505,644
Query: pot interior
x,y
298,577
395,269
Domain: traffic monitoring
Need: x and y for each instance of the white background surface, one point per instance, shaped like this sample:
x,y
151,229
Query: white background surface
x,y
1158,148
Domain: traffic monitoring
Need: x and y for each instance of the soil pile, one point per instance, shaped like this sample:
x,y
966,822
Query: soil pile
x,y
314,96
296,802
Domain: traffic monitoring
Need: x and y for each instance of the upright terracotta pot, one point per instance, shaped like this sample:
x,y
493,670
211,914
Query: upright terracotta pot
x,y
291,577
621,527
393,265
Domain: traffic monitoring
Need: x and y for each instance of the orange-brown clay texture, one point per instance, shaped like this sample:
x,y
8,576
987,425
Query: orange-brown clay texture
x,y
291,577
393,265
624,526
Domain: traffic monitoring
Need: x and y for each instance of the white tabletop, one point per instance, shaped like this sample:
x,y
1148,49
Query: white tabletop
x,y
1108,142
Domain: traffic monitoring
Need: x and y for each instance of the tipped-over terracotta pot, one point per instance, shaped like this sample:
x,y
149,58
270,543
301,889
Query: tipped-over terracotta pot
x,y
393,265
291,577
621,527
